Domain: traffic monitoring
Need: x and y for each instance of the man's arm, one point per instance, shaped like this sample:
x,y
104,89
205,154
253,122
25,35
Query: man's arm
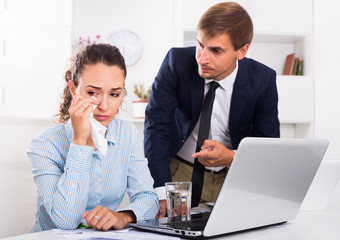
x,y
159,122
266,122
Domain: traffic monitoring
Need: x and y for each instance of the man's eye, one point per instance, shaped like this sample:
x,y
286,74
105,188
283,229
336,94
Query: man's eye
x,y
217,51
93,93
114,94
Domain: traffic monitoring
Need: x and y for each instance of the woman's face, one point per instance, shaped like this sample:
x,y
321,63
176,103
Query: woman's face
x,y
106,84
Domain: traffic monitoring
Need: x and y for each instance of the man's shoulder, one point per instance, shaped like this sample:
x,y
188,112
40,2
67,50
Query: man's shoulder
x,y
184,54
255,66
183,59
183,50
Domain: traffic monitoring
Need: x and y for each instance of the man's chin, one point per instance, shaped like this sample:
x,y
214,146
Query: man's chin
x,y
206,75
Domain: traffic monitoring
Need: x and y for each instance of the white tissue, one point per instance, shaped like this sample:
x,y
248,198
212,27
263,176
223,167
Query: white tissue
x,y
98,132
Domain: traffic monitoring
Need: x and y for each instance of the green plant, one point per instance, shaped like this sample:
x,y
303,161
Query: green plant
x,y
140,92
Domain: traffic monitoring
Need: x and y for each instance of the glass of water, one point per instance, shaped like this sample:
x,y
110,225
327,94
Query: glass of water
x,y
178,196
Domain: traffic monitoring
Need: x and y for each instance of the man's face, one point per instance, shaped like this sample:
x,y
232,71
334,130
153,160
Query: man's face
x,y
216,57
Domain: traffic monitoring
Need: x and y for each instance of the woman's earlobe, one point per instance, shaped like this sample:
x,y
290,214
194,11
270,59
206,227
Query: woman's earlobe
x,y
72,88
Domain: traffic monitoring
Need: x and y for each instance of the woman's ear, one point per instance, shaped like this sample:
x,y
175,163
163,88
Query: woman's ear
x,y
72,88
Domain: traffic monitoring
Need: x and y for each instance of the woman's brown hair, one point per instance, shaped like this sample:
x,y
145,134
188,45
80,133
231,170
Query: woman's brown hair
x,y
90,55
228,18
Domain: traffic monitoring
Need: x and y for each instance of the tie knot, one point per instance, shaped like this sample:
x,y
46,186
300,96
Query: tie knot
x,y
213,85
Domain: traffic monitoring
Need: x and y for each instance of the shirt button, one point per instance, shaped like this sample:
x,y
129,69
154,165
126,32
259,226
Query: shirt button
x,y
183,140
97,201
73,185
78,162
79,153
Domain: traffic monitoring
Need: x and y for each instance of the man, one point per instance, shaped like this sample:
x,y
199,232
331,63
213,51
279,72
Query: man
x,y
245,104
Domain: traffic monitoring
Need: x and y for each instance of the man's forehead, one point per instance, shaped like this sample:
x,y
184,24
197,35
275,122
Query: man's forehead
x,y
219,40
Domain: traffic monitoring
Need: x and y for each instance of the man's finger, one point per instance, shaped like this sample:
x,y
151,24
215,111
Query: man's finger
x,y
203,154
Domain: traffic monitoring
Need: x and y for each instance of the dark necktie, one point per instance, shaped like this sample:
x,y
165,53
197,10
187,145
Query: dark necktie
x,y
203,134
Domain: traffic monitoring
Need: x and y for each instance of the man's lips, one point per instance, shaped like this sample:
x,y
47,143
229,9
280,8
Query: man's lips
x,y
101,117
205,69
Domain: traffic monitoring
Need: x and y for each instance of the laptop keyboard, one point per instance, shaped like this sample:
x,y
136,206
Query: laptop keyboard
x,y
196,224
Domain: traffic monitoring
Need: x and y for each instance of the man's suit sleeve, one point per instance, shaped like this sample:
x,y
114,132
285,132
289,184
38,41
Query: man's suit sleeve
x,y
266,122
159,126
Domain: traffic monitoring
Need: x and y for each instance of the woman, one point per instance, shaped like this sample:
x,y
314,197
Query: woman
x,y
75,181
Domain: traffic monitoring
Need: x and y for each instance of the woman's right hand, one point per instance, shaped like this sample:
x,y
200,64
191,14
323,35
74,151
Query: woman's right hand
x,y
80,111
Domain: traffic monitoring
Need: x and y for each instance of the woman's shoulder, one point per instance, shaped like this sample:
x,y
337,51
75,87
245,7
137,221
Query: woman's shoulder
x,y
123,123
53,133
124,128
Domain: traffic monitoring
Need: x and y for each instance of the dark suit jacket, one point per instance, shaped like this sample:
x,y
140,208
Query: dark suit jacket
x,y
175,104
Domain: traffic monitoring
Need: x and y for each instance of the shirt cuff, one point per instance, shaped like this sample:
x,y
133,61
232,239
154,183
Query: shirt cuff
x,y
161,193
79,158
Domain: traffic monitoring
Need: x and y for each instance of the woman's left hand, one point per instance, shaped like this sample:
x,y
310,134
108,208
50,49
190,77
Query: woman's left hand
x,y
102,218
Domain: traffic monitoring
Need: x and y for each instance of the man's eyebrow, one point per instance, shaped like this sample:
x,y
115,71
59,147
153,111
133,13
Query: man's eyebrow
x,y
212,48
217,48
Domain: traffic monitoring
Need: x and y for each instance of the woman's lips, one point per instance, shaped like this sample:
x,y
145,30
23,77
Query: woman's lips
x,y
101,117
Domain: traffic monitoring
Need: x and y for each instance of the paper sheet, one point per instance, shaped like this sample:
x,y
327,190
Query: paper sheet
x,y
124,234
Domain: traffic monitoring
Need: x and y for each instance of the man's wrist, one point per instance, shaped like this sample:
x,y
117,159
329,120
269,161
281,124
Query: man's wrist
x,y
161,193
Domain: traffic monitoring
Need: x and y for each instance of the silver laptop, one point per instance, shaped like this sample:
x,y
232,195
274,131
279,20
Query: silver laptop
x,y
265,185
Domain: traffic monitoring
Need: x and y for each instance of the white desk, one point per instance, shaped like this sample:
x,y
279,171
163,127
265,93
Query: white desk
x,y
323,225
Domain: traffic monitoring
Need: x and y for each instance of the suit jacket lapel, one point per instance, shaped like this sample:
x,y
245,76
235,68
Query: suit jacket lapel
x,y
238,99
197,93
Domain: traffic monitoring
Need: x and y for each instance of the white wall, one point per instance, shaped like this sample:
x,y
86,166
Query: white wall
x,y
327,77
17,188
151,20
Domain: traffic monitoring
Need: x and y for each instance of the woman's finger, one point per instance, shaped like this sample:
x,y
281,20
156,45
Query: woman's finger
x,y
103,220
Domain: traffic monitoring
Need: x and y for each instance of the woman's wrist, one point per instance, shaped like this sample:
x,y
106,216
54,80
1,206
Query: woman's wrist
x,y
128,216
79,141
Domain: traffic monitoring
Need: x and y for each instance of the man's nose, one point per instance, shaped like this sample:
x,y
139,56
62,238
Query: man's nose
x,y
204,57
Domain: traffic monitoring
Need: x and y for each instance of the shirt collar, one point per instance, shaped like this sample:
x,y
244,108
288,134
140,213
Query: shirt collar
x,y
228,82
112,128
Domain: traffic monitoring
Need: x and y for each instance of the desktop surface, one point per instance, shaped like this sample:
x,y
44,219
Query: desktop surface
x,y
307,225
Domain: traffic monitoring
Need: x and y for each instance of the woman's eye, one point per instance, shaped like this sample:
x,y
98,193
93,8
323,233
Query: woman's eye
x,y
114,94
93,93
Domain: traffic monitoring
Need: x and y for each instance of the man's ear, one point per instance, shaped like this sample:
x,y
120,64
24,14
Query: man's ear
x,y
242,51
72,87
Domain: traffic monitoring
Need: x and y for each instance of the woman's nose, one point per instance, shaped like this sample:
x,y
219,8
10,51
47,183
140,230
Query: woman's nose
x,y
102,103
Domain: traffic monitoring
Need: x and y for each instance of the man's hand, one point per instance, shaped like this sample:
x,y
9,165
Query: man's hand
x,y
162,209
214,154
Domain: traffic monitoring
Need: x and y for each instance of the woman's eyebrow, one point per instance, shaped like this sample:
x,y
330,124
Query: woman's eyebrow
x,y
112,89
115,89
91,86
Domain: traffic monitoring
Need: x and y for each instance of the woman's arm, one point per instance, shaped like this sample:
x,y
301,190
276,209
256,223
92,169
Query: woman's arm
x,y
143,199
62,179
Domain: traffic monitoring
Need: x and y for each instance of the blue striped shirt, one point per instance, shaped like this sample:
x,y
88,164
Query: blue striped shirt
x,y
72,179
